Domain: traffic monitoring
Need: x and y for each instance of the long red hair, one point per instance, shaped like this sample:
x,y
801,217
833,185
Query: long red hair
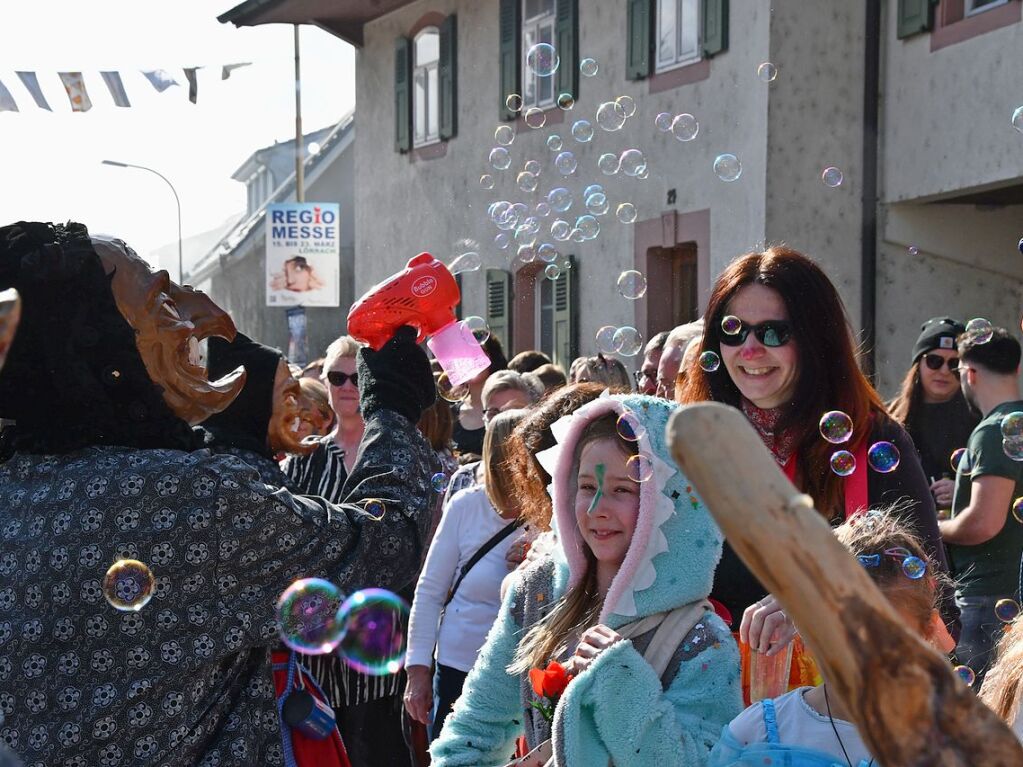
x,y
829,374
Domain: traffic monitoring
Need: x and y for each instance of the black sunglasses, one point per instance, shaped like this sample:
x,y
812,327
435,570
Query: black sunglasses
x,y
337,378
772,333
936,361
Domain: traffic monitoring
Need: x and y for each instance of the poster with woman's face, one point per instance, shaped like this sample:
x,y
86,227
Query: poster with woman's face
x,y
303,254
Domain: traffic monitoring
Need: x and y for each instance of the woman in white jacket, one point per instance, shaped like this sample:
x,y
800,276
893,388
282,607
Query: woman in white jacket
x,y
453,634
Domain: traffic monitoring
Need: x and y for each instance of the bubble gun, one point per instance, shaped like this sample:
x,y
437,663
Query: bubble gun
x,y
423,295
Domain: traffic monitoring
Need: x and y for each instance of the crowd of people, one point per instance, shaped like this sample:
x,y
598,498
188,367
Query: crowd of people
x,y
572,601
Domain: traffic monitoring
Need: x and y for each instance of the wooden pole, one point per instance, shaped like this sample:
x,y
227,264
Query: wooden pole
x,y
909,706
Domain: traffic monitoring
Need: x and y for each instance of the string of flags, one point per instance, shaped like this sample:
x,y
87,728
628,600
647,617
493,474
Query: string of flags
x,y
78,94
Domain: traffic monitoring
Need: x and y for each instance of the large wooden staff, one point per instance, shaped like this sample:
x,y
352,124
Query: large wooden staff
x,y
909,706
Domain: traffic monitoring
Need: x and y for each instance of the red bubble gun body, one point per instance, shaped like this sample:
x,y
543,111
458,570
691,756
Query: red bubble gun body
x,y
423,295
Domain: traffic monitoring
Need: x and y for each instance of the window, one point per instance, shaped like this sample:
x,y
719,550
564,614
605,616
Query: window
x,y
426,94
977,6
538,18
678,33
545,316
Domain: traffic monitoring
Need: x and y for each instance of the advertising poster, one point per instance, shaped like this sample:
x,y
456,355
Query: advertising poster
x,y
303,254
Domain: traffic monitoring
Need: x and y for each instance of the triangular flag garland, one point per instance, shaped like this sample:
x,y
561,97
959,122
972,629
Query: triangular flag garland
x,y
78,95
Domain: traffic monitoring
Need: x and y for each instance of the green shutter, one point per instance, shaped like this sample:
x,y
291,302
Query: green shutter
x,y
499,306
566,315
510,35
640,40
402,94
458,306
915,16
447,74
715,26
566,41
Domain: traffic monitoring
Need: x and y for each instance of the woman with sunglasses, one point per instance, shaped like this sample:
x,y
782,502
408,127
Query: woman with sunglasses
x,y
777,344
931,406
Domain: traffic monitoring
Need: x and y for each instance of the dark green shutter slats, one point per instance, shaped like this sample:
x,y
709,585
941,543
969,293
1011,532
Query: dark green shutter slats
x,y
915,16
640,36
566,41
715,26
447,75
499,305
511,30
566,318
402,94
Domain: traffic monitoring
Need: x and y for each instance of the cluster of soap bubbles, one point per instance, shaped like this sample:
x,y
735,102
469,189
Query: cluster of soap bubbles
x,y
625,340
366,629
683,127
1012,435
836,427
128,585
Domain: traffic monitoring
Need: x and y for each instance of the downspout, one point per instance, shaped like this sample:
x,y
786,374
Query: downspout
x,y
869,200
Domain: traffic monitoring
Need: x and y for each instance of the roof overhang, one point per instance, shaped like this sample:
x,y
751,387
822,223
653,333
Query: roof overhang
x,y
342,18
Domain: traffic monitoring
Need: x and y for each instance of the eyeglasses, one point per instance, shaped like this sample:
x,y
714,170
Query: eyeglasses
x,y
337,378
936,361
772,333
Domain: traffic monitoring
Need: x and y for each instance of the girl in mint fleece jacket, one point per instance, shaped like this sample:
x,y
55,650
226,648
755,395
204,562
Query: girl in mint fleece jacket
x,y
630,552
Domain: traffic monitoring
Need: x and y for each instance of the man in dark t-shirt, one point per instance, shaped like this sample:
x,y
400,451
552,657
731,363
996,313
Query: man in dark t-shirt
x,y
984,539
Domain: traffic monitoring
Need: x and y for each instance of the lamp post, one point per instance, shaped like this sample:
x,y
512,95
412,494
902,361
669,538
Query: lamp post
x,y
181,262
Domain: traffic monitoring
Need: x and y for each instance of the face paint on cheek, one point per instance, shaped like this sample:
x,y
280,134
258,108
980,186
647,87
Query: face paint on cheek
x,y
599,471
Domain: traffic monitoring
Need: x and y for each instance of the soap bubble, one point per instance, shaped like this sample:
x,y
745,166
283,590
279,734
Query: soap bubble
x,y
499,158
526,254
608,163
836,427
626,212
843,463
731,325
374,635
966,674
663,121
1017,119
979,330
1013,448
588,226
643,172
560,229
1006,610
913,250
560,199
628,105
439,482
610,116
883,457
547,253
307,616
566,101
639,468
1012,424
487,181
577,236
535,117
532,166
582,131
596,204
565,162
630,427
709,361
832,176
588,67
513,102
685,127
128,585
606,339
501,240
1017,510
478,327
727,167
592,189
554,142
957,460
631,284
767,72
526,181
914,568
631,162
504,135
543,59
552,272
450,393
374,508
467,262
543,209
628,341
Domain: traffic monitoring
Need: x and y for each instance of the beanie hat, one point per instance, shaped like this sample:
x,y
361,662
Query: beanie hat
x,y
937,333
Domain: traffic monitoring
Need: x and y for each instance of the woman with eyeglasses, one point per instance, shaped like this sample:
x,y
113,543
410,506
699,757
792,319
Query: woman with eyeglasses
x,y
931,406
777,344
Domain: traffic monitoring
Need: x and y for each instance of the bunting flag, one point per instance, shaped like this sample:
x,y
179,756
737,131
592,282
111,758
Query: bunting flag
x,y
193,83
76,93
7,103
31,83
116,88
229,68
160,79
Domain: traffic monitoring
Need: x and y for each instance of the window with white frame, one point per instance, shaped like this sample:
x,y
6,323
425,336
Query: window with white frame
x,y
678,33
976,6
426,93
537,27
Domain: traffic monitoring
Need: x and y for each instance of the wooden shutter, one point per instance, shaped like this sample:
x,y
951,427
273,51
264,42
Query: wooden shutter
x,y
499,306
714,15
915,16
447,75
510,53
566,315
566,41
639,54
402,94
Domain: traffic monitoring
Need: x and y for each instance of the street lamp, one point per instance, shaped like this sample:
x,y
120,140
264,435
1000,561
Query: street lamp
x,y
116,164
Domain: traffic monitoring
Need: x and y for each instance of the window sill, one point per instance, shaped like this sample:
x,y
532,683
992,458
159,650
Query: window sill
x,y
431,151
976,24
553,115
686,74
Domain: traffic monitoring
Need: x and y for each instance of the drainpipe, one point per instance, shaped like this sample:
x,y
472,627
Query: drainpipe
x,y
868,200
